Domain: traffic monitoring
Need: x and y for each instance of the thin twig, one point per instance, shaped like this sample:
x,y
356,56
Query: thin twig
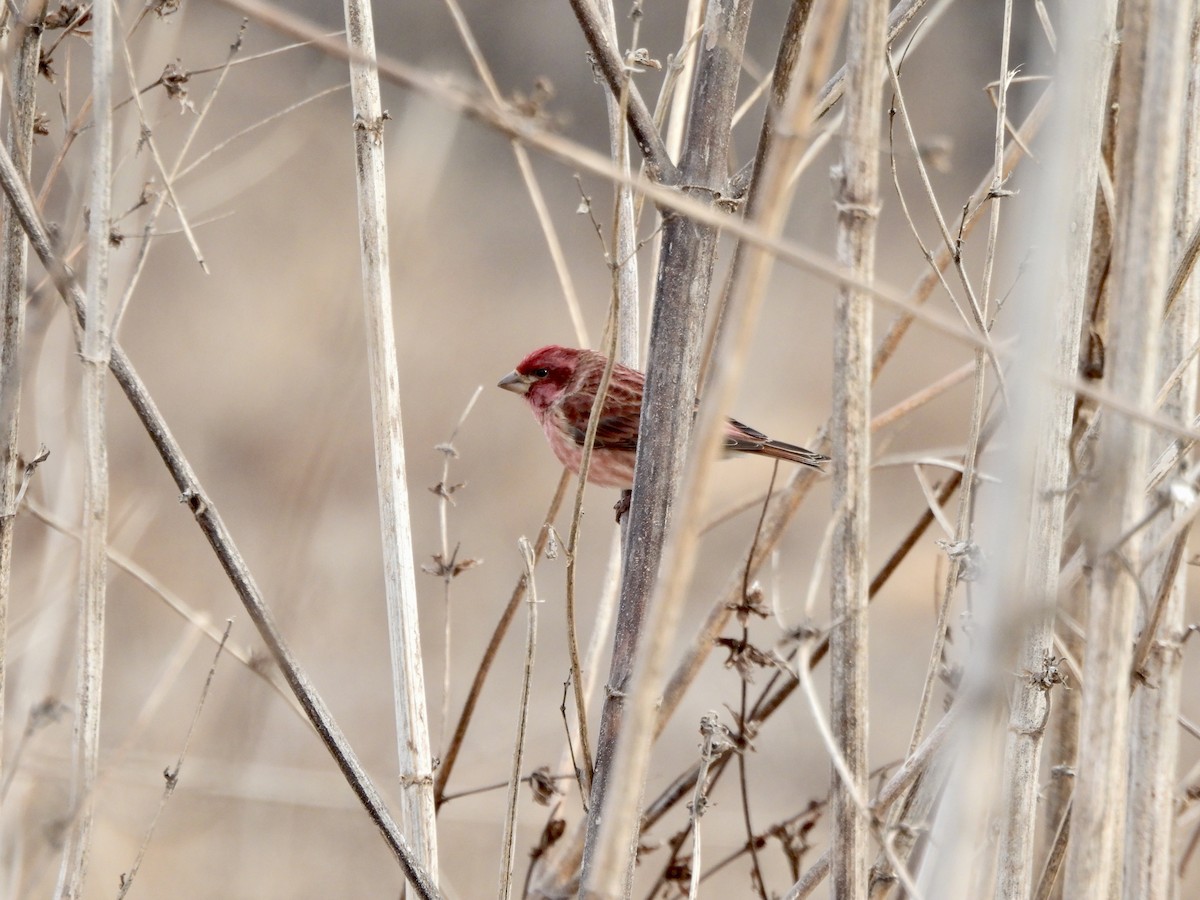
x,y
175,174
168,180
692,205
608,61
448,565
250,129
198,620
713,737
587,770
171,775
978,315
509,853
493,647
912,768
532,186
218,536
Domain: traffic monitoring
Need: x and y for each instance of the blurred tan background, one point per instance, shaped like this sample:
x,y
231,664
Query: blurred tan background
x,y
260,369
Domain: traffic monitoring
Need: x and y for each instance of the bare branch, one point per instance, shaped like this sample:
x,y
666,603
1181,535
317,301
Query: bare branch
x,y
219,538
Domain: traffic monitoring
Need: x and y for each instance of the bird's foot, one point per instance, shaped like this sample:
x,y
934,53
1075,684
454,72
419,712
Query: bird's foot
x,y
622,505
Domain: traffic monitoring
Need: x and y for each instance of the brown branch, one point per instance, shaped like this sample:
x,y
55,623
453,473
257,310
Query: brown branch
x,y
641,120
682,290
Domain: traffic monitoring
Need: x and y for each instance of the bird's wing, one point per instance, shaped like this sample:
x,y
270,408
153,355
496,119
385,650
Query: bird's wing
x,y
615,430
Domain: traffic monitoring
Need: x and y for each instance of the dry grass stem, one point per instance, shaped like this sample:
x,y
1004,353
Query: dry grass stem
x,y
1034,533
197,620
587,769
1044,418
493,648
1153,820
508,855
683,283
218,536
1153,50
171,775
93,575
856,193
712,736
532,186
842,772
13,268
412,720
447,565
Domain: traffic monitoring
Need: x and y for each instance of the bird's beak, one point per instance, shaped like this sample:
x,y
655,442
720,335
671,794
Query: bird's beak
x,y
516,382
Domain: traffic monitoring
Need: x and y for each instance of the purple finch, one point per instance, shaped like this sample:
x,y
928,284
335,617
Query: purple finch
x,y
560,384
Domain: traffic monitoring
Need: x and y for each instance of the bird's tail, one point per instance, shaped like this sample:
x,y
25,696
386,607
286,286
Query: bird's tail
x,y
792,453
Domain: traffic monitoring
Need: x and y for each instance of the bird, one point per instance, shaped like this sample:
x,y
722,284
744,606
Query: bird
x,y
560,385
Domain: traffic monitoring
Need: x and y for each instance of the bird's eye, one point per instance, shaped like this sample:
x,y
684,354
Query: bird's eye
x,y
540,373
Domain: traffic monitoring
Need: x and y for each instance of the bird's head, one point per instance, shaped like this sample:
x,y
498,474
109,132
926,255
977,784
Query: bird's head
x,y
542,375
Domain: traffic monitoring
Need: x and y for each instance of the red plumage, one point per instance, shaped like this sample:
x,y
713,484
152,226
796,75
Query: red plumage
x,y
560,385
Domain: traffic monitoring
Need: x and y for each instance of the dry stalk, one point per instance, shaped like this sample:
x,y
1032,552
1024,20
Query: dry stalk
x,y
412,720
508,855
536,197
600,38
93,558
215,531
681,295
1152,69
784,507
493,647
13,268
857,202
506,122
1044,418
447,565
713,739
1151,871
